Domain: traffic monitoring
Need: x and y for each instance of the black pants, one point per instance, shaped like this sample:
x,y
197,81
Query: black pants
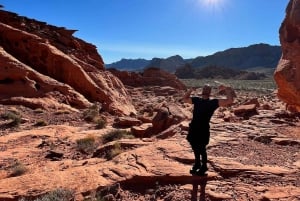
x,y
199,150
198,138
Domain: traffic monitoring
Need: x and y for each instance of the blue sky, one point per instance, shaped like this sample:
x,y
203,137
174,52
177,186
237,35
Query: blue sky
x,y
134,29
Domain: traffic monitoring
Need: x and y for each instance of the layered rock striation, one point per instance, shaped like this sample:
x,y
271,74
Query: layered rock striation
x,y
41,61
287,74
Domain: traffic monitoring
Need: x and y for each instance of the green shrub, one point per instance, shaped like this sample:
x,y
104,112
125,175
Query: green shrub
x,y
116,150
116,135
16,118
18,169
91,113
56,195
41,123
87,144
100,123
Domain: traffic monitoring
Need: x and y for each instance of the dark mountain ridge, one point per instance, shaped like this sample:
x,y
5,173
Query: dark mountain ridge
x,y
257,55
263,55
129,64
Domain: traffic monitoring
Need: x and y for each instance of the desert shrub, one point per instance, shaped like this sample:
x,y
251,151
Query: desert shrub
x,y
116,135
16,118
87,144
116,150
18,169
100,123
91,113
41,123
56,195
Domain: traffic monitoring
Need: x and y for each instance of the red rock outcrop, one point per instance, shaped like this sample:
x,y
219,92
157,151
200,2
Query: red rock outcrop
x,y
32,53
287,74
150,77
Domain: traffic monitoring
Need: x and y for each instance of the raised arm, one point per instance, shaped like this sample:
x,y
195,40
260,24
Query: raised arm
x,y
230,95
187,96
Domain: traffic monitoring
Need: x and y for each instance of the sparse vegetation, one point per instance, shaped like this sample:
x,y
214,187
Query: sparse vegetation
x,y
18,169
15,117
100,123
99,198
116,150
41,123
92,113
116,135
259,86
56,195
87,144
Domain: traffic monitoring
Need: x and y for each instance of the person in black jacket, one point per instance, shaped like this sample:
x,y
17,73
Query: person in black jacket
x,y
199,129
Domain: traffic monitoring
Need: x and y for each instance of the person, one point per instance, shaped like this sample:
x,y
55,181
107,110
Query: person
x,y
199,129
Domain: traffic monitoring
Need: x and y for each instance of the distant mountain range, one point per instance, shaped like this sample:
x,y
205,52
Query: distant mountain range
x,y
254,56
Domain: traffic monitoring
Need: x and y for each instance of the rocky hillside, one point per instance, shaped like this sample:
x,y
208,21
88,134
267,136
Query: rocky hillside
x,y
149,77
169,64
253,56
253,152
287,74
45,66
129,64
258,55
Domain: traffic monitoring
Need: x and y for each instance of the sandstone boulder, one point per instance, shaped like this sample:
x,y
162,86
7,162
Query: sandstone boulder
x,y
127,122
245,111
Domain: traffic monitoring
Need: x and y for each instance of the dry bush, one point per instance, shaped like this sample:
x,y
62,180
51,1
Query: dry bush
x,y
41,123
87,144
15,117
116,150
100,123
116,135
92,113
56,195
18,169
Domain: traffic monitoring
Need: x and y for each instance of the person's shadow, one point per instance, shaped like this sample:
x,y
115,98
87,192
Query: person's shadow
x,y
202,181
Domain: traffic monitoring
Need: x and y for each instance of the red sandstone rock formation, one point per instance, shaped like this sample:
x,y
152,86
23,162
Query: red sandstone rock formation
x,y
150,77
287,74
32,53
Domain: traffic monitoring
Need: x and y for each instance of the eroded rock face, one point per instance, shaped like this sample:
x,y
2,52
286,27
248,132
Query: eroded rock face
x,y
31,49
287,74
